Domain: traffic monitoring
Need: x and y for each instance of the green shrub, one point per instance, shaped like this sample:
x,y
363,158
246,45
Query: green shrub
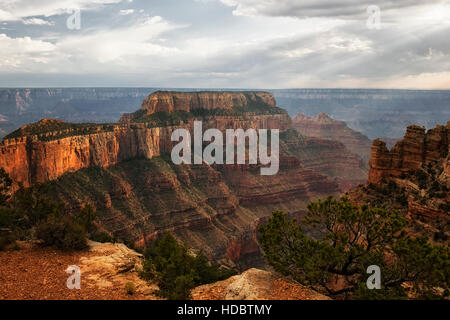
x,y
63,233
6,240
5,187
102,237
33,205
351,239
182,287
177,271
35,209
86,217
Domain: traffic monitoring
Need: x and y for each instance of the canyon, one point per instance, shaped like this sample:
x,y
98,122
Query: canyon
x,y
125,170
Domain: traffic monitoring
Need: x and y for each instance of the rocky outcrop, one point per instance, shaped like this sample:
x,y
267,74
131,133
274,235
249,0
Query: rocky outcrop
x,y
417,148
413,178
323,126
255,284
46,150
113,265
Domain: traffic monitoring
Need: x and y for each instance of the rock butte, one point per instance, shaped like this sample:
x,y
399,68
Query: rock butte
x,y
166,101
417,147
417,170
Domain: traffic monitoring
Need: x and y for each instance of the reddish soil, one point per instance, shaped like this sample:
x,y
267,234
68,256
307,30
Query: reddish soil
x,y
40,274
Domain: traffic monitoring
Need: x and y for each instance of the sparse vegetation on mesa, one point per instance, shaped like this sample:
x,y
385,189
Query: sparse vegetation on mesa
x,y
348,240
163,118
50,129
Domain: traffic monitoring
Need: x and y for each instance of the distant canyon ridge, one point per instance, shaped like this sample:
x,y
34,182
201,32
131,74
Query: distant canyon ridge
x,y
374,113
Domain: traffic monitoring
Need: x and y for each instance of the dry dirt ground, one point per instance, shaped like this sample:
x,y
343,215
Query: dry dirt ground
x,y
34,273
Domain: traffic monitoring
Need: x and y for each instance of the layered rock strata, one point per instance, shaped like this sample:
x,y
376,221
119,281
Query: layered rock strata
x,y
323,126
417,148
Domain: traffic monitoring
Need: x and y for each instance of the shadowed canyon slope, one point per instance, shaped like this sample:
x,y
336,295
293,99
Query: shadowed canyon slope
x,y
322,126
124,168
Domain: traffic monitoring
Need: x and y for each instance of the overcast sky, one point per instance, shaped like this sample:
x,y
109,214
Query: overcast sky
x,y
225,43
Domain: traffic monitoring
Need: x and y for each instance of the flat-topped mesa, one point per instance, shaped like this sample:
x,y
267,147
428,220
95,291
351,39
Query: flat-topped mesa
x,y
170,101
418,147
187,101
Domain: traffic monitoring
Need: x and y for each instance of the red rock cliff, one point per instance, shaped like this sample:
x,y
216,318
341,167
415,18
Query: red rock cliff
x,y
40,158
46,150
